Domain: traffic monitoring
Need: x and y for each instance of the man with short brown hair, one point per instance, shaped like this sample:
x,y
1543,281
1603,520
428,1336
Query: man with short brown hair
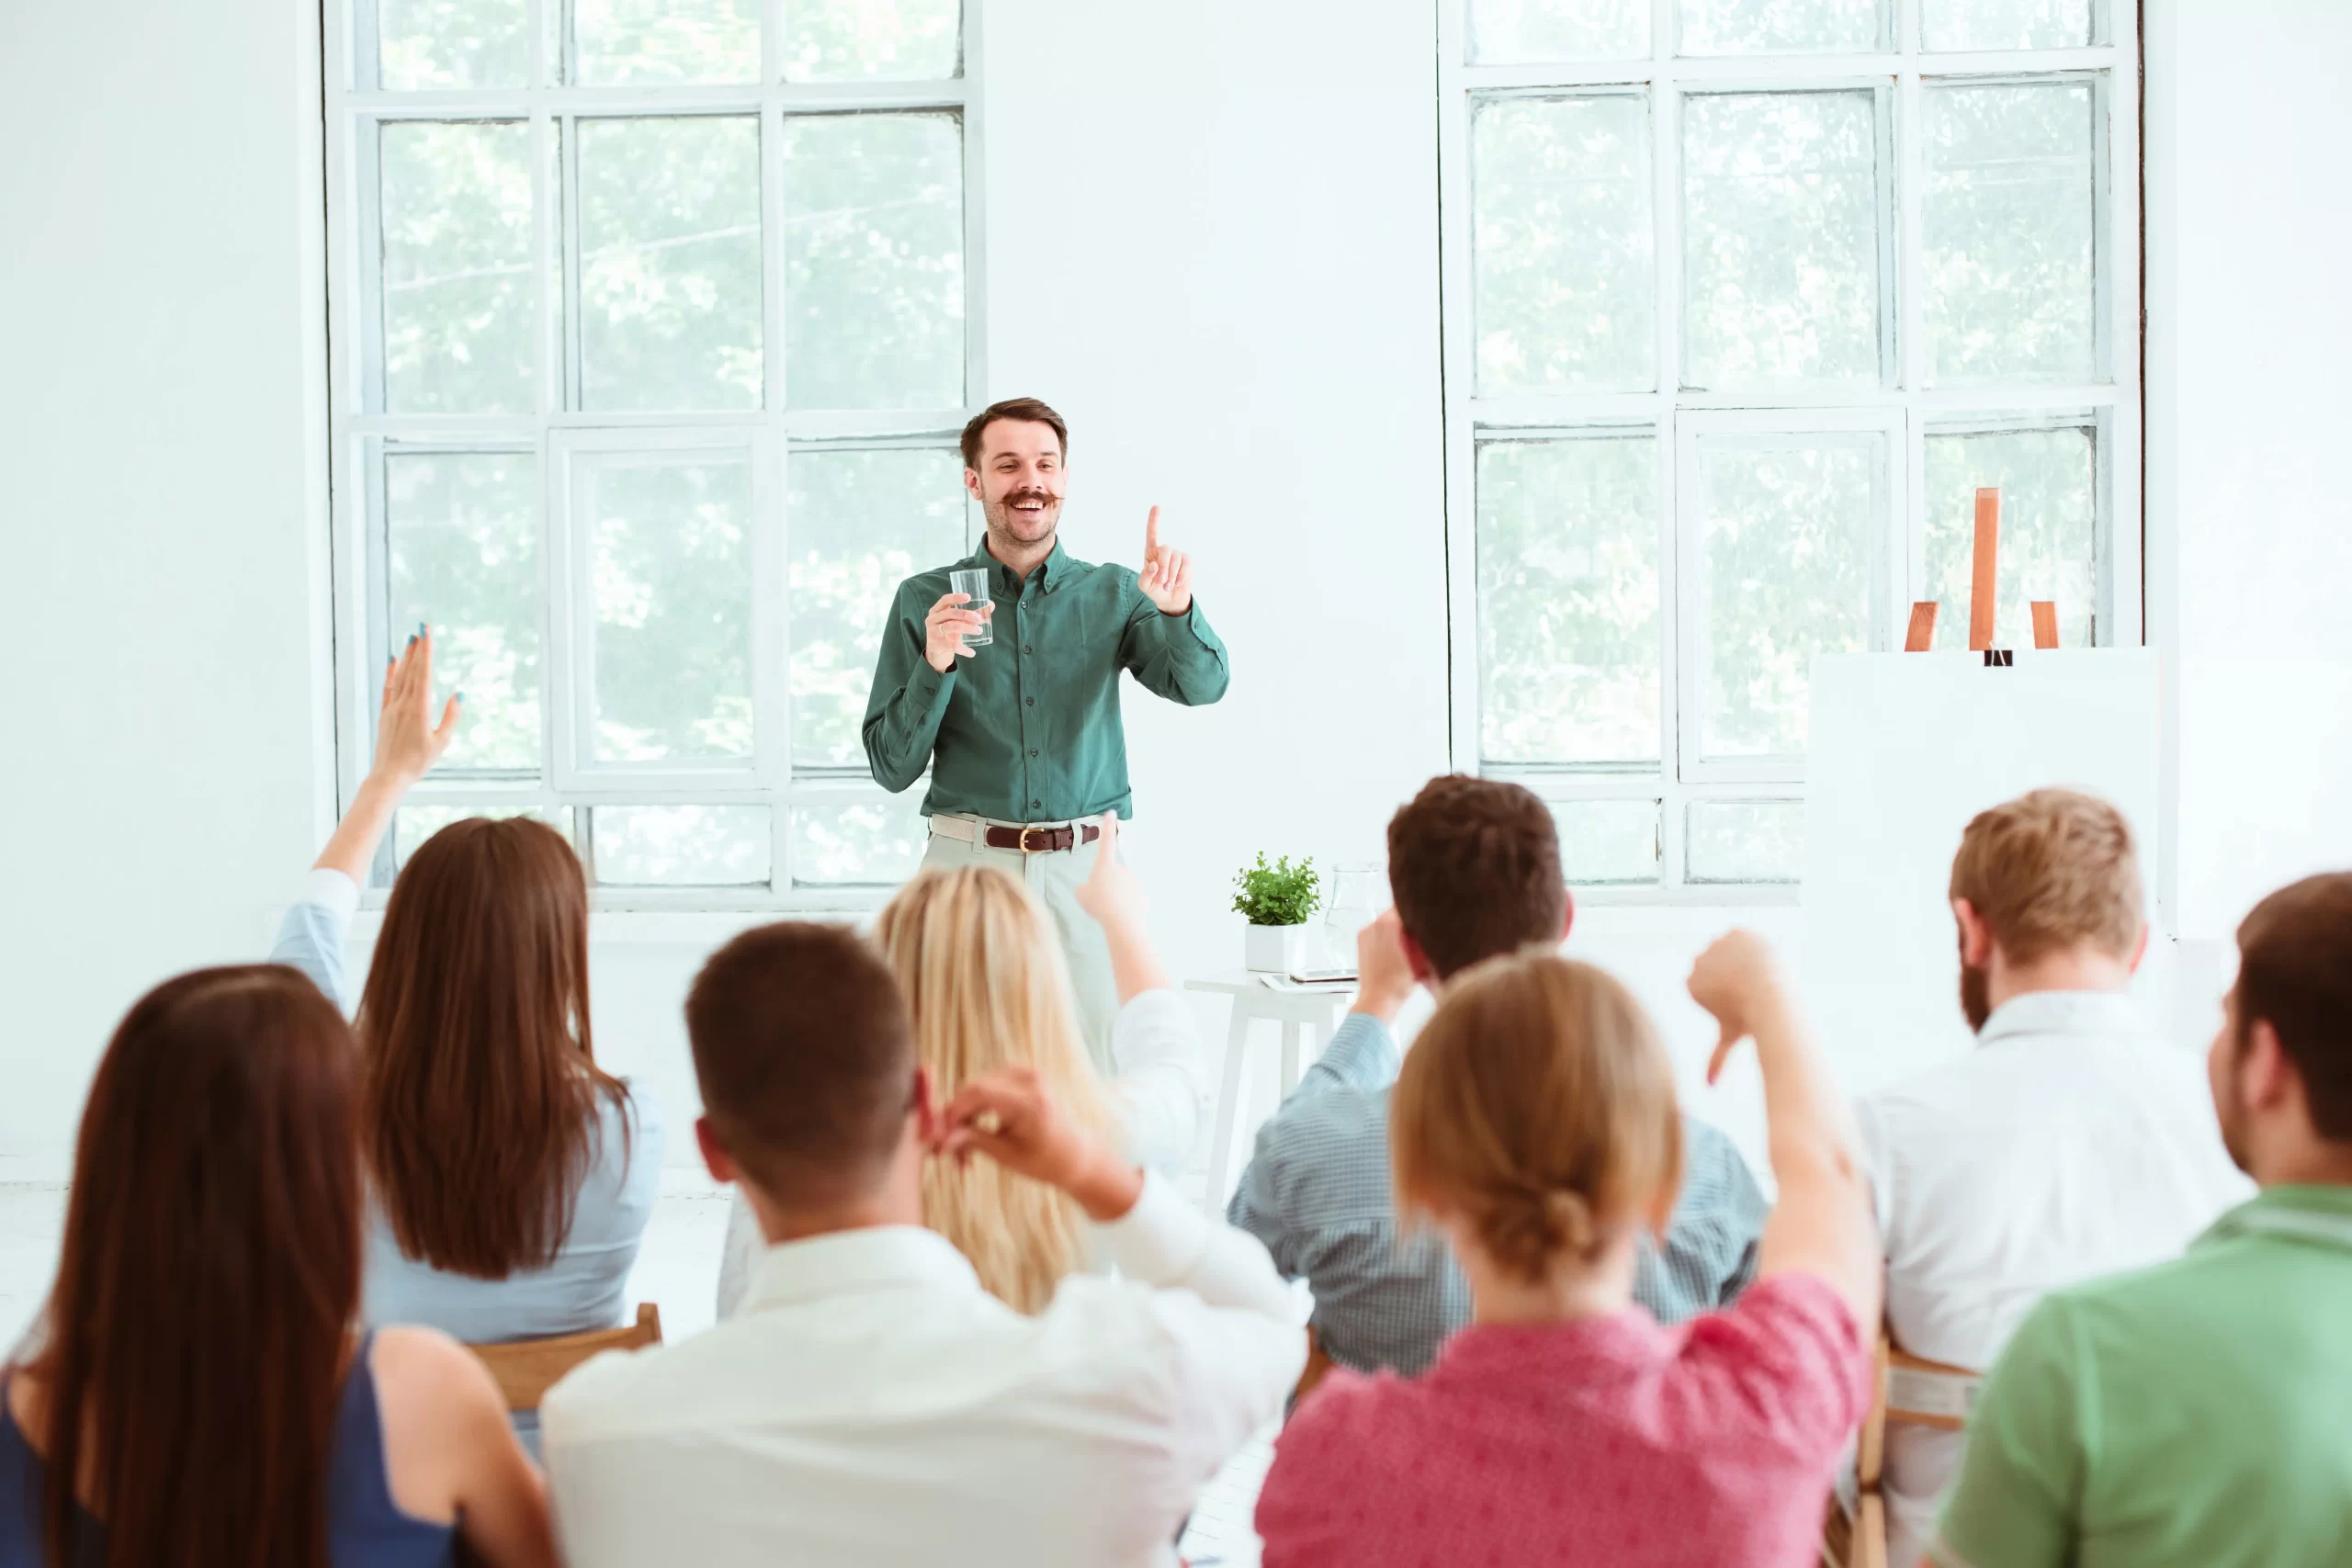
x,y
2191,1413
870,1404
2069,1142
1022,735
1475,868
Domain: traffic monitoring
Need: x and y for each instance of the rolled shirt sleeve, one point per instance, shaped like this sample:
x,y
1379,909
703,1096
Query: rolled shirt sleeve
x,y
1176,657
311,935
909,699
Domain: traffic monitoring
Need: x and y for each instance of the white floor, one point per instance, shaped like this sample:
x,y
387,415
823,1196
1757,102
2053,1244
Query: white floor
x,y
677,1266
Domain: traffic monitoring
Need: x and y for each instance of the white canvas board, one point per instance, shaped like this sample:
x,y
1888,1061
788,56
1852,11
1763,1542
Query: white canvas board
x,y
1905,749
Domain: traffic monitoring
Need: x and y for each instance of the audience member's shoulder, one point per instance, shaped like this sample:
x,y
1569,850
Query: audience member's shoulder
x,y
1794,1352
1348,1412
613,1391
423,1360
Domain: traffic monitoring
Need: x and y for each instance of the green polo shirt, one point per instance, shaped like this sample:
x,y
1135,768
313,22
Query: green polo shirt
x,y
2195,1414
1027,730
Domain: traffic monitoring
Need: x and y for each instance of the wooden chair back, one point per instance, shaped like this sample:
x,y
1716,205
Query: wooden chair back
x,y
526,1369
1906,1390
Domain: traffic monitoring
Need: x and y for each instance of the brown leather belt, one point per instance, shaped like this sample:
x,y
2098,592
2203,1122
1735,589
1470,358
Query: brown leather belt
x,y
1038,840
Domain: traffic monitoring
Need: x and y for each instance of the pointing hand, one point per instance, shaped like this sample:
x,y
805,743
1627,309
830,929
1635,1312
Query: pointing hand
x,y
1167,575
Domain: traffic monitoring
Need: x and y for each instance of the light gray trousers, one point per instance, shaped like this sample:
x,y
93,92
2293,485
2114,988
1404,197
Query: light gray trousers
x,y
1052,876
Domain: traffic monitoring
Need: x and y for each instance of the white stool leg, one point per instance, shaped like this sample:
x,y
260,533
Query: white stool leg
x,y
1290,1055
1228,1111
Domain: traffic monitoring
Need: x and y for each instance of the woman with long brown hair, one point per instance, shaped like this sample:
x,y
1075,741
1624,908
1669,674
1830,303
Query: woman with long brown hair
x,y
511,1176
986,982
196,1391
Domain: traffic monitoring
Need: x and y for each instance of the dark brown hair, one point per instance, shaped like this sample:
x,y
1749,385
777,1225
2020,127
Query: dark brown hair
x,y
806,1059
194,1347
480,1068
1473,866
1538,1105
1028,409
2049,870
2295,972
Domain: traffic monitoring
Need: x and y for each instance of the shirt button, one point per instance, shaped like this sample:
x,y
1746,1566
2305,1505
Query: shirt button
x,y
1031,700
1032,751
1026,648
1035,805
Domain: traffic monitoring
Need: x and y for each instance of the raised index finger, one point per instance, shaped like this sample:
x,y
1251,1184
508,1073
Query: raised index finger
x,y
1151,535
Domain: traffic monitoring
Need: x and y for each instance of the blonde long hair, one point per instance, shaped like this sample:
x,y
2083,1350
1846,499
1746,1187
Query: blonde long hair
x,y
985,979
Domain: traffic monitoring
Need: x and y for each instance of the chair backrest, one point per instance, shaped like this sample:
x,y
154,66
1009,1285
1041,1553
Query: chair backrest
x,y
526,1369
1906,1390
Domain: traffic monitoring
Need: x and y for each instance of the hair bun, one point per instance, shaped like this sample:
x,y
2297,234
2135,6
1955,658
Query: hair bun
x,y
1526,1226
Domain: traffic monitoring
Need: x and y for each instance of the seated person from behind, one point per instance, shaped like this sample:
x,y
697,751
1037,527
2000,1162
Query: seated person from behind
x,y
1535,1127
977,957
511,1177
2191,1413
2071,1142
1475,868
872,1402
198,1367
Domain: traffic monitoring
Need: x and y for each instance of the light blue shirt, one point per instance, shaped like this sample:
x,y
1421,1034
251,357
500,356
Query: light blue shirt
x,y
1318,1194
582,1288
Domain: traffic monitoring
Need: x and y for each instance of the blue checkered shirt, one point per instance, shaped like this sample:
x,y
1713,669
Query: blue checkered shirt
x,y
1318,1194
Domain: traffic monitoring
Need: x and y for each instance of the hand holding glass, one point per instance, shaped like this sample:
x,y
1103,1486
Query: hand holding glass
x,y
973,583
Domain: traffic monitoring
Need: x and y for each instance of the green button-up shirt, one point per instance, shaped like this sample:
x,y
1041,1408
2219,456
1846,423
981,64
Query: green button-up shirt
x,y
2188,1415
1027,730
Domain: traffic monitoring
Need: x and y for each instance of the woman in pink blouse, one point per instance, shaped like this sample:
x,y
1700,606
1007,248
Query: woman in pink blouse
x,y
1534,1125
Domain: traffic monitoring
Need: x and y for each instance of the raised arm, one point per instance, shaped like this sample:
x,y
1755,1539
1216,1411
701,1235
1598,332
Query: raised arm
x,y
407,745
1822,1223
1151,1233
913,677
1167,641
1114,896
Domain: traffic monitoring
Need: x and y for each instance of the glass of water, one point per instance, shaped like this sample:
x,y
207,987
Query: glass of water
x,y
974,581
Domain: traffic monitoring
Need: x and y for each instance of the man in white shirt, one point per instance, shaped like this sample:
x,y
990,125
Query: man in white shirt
x,y
2070,1142
872,1404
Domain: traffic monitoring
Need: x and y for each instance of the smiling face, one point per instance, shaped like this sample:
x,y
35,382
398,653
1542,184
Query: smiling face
x,y
1019,483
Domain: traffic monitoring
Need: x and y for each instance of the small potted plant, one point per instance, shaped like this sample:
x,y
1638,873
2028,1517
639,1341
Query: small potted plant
x,y
1276,899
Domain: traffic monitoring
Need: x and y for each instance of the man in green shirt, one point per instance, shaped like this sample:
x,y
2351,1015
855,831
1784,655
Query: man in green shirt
x,y
2198,1414
1022,735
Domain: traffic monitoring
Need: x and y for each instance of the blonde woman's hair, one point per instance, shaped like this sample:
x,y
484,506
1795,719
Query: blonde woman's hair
x,y
1537,1107
985,979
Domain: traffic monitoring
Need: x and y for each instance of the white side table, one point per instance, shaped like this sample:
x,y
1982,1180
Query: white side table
x,y
1254,1000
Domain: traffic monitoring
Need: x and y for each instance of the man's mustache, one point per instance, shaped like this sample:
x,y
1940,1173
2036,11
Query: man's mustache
x,y
1018,496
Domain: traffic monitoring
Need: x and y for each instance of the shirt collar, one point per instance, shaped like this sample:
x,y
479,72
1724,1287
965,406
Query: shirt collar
x,y
2322,1215
2062,1013
1054,567
858,1262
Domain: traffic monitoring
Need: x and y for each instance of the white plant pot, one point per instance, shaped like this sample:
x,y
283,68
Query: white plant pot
x,y
1274,949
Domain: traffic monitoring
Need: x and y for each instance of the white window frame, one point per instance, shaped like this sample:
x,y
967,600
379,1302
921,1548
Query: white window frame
x,y
1899,405
559,434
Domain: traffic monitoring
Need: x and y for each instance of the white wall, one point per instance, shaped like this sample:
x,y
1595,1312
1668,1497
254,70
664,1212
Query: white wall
x,y
2249,517
1211,243
161,512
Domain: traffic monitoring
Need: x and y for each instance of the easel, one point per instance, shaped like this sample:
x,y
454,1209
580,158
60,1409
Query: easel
x,y
1983,596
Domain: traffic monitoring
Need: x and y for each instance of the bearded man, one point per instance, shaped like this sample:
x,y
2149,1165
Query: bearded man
x,y
1022,734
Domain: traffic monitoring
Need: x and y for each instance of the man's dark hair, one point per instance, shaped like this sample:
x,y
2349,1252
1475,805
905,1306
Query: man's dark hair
x,y
2295,973
1029,409
1475,868
806,1058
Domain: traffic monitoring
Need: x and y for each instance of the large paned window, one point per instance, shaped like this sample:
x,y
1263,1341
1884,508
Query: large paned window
x,y
653,328
1744,299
